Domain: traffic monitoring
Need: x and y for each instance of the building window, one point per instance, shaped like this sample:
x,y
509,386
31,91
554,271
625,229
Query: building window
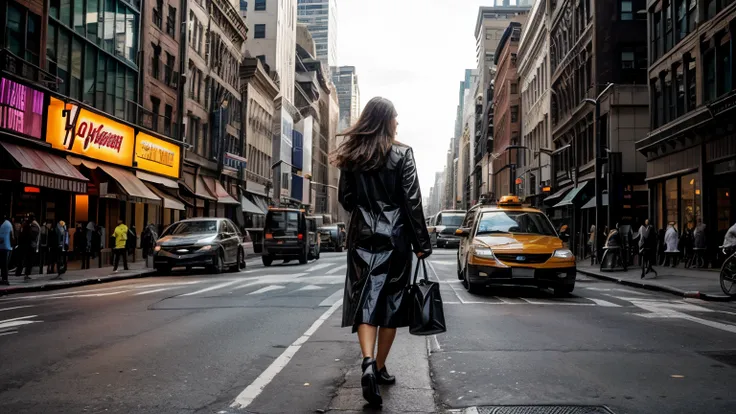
x,y
680,89
658,109
169,69
515,113
259,31
514,88
656,37
156,62
692,14
260,5
669,98
628,58
668,26
167,120
681,18
23,33
627,10
724,68
710,8
513,59
690,74
709,70
155,105
158,14
171,22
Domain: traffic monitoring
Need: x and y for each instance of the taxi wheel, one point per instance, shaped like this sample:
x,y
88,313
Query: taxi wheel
x,y
472,288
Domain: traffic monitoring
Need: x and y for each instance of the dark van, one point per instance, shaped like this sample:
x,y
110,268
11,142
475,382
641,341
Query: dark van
x,y
286,236
443,226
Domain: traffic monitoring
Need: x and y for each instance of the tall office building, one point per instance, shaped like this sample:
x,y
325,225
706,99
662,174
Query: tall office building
x,y
345,79
320,16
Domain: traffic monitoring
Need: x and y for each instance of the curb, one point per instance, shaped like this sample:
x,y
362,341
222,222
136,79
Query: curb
x,y
74,283
660,288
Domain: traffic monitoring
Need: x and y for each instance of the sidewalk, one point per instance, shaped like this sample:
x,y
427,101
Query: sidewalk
x,y
692,283
73,278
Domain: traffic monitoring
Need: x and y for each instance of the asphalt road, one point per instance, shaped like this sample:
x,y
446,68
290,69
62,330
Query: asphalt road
x,y
267,340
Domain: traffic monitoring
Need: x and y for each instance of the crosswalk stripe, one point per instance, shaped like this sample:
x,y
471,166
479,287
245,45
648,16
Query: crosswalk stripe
x,y
332,299
266,289
319,266
337,269
92,295
604,303
309,287
16,307
146,292
211,288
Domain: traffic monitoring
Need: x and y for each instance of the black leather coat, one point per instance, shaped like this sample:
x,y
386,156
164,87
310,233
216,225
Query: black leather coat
x,y
386,227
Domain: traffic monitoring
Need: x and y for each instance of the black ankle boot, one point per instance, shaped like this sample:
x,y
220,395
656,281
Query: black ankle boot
x,y
385,378
369,382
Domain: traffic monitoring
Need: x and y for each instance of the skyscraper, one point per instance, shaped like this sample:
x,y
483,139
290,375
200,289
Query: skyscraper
x,y
320,16
346,81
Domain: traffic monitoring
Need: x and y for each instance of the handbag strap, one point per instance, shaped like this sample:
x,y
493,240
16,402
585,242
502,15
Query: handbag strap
x,y
416,270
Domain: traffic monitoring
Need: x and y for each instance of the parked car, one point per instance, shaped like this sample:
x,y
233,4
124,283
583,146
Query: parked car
x,y
213,243
287,237
315,245
443,226
332,237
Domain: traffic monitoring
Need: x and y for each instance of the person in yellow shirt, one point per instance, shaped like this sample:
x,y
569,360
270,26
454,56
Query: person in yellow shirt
x,y
121,237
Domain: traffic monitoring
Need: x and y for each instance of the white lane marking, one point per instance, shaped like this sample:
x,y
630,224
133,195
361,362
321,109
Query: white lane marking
x,y
266,289
16,307
18,319
332,299
437,342
73,292
211,288
322,280
146,292
604,303
245,398
598,289
245,285
445,262
512,301
454,289
8,333
154,285
92,295
319,266
337,269
309,287
16,323
670,313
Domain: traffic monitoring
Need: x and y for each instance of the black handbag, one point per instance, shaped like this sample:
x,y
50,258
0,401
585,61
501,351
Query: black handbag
x,y
426,315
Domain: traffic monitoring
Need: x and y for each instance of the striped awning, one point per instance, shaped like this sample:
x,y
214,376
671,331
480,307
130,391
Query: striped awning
x,y
43,169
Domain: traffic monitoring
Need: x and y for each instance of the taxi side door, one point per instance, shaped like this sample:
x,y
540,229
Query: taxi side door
x,y
465,242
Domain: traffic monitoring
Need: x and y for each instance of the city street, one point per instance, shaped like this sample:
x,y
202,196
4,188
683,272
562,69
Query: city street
x,y
267,340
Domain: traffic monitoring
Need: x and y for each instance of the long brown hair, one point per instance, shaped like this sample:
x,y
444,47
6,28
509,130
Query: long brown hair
x,y
369,140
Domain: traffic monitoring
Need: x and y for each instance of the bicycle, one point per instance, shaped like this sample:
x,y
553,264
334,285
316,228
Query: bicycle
x,y
728,271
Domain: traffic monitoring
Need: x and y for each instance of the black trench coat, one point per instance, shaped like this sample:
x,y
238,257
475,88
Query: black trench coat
x,y
386,226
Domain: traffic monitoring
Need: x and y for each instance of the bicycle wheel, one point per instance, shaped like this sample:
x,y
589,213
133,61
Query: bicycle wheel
x,y
728,276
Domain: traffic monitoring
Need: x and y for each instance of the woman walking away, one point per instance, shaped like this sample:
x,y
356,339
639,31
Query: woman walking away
x,y
380,189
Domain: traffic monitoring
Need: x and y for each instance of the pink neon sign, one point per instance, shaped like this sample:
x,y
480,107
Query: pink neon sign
x,y
21,108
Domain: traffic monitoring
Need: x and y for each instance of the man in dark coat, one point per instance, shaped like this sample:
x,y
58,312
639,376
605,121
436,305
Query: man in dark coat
x,y
647,248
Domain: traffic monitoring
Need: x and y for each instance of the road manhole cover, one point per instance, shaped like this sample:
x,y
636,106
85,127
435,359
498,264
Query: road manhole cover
x,y
540,409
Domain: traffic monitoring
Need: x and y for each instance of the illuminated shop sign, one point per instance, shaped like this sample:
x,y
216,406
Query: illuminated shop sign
x,y
21,108
156,155
79,131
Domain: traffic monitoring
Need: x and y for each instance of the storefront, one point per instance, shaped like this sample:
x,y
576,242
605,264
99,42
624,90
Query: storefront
x,y
32,179
105,152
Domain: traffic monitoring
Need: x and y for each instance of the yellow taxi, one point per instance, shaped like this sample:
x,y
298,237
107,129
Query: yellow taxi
x,y
508,244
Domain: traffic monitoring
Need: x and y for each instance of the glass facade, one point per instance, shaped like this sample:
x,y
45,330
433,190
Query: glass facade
x,y
320,16
92,47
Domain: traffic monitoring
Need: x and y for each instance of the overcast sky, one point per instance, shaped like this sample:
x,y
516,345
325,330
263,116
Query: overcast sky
x,y
413,52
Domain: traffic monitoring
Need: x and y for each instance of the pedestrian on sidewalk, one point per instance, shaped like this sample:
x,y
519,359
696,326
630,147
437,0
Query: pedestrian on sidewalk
x,y
121,237
647,248
61,245
6,246
671,240
33,245
23,231
81,246
379,184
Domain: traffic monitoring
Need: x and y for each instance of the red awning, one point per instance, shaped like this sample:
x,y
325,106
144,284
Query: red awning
x,y
42,169
219,191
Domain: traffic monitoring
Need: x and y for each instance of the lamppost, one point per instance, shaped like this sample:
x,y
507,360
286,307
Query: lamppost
x,y
534,154
599,160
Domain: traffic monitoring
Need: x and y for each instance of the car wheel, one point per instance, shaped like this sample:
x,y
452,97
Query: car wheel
x,y
470,287
563,291
267,260
240,263
218,262
163,270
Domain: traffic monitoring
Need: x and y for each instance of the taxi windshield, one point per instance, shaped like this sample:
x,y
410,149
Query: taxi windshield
x,y
515,222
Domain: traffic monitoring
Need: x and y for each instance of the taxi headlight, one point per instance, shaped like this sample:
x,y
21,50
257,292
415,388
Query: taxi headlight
x,y
483,252
205,248
563,254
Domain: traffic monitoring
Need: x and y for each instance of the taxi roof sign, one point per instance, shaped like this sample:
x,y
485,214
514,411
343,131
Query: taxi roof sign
x,y
509,200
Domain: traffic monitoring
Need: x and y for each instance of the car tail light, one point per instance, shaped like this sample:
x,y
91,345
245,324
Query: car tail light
x,y
269,236
300,236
